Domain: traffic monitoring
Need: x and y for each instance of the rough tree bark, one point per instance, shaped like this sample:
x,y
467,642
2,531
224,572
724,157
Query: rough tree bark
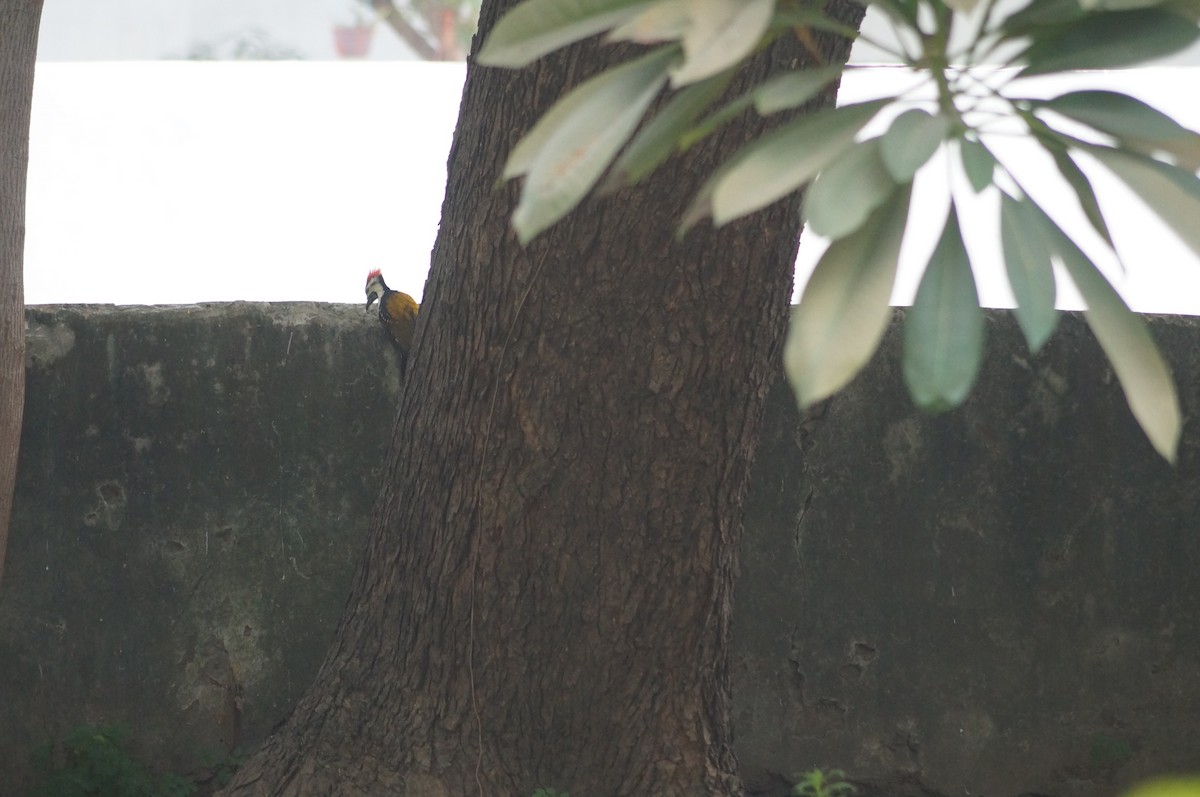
x,y
545,597
18,50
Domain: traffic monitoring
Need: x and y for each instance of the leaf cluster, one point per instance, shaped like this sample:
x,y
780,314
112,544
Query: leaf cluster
x,y
97,762
858,189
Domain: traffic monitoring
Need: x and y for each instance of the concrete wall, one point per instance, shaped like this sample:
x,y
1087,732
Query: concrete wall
x,y
1001,601
194,487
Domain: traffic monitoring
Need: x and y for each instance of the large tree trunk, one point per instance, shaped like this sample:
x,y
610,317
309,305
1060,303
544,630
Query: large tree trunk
x,y
545,600
18,50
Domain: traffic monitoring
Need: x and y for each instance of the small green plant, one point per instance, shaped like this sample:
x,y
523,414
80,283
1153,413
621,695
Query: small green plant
x,y
820,783
96,762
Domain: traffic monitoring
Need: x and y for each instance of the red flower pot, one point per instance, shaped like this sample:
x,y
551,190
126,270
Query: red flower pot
x,y
352,42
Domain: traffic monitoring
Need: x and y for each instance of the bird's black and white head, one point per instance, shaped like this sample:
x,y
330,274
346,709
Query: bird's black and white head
x,y
376,287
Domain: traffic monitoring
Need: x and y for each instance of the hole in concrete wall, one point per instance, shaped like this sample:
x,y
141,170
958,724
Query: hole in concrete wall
x,y
863,653
829,707
111,492
850,672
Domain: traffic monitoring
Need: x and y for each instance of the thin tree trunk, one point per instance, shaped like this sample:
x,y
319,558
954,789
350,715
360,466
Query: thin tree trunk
x,y
18,50
387,11
545,600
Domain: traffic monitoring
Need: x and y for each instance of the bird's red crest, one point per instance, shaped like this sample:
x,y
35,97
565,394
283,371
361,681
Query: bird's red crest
x,y
372,275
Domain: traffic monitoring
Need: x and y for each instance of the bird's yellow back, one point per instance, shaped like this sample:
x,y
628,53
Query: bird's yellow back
x,y
398,312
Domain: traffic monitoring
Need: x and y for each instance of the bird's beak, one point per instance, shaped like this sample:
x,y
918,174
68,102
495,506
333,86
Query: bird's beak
x,y
370,301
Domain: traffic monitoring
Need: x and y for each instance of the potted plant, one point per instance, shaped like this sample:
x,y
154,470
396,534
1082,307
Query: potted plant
x,y
354,40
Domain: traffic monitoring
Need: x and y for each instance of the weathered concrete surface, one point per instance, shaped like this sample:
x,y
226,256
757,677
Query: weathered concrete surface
x,y
194,486
1000,601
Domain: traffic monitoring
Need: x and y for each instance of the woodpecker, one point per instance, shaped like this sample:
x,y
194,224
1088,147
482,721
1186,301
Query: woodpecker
x,y
397,313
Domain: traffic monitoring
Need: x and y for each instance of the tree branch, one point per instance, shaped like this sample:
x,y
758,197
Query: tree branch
x,y
388,12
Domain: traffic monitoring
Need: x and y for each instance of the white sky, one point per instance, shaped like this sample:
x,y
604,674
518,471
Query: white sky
x,y
87,30
180,182
1160,273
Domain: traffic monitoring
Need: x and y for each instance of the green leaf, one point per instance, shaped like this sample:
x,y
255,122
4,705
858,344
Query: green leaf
x,y
570,157
793,89
666,20
721,34
1139,366
843,195
1030,272
1040,15
726,113
1171,192
1189,9
660,138
536,27
844,310
1109,40
943,335
978,162
1118,5
527,149
561,114
903,13
702,203
1079,183
808,17
1167,787
911,141
787,158
1135,124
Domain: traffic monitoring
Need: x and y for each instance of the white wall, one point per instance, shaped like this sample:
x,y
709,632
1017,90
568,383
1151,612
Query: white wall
x,y
178,182
168,182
